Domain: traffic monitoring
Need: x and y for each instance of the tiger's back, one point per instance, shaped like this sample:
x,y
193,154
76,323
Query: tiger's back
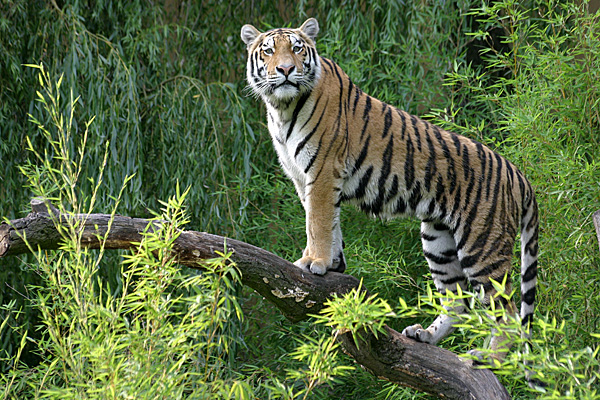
x,y
339,144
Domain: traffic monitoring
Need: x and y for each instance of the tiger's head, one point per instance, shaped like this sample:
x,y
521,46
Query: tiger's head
x,y
282,63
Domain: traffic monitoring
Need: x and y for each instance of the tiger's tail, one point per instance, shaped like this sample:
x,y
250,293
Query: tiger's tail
x,y
529,263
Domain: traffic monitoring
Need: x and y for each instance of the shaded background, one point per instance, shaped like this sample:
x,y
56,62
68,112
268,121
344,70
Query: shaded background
x,y
165,83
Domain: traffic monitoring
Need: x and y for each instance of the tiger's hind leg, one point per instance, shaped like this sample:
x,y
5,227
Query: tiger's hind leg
x,y
501,341
439,248
480,266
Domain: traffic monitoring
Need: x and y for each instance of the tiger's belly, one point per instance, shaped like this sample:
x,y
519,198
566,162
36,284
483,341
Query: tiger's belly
x,y
383,195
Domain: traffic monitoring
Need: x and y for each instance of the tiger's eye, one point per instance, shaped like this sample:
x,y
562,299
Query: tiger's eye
x,y
268,51
297,49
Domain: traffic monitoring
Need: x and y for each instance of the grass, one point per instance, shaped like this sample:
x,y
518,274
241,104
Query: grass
x,y
156,94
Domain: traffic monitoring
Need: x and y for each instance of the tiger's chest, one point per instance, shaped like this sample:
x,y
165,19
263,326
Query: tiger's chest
x,y
292,143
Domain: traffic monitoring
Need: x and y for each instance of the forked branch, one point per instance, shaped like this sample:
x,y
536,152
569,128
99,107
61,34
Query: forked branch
x,y
296,293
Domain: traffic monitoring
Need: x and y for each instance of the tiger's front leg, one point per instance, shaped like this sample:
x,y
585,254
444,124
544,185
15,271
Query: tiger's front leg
x,y
324,244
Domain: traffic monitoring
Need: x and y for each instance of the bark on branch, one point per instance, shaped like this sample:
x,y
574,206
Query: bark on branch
x,y
296,293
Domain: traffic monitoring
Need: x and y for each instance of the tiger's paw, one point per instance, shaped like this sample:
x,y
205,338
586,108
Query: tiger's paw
x,y
320,266
339,263
418,333
315,265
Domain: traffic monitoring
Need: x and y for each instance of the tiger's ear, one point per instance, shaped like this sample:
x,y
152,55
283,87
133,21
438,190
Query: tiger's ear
x,y
249,34
311,28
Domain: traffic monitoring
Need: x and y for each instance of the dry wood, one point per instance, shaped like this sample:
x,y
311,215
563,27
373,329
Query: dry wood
x,y
296,293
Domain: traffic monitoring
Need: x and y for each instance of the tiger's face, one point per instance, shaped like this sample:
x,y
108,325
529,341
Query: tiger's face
x,y
282,63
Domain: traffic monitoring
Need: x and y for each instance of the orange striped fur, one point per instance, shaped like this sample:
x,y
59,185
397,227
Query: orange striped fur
x,y
338,144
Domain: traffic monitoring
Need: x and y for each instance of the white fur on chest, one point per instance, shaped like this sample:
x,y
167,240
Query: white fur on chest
x,y
294,155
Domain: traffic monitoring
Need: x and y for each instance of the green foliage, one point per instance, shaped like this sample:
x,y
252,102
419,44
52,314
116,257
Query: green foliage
x,y
323,365
356,312
55,174
546,120
160,334
151,99
566,373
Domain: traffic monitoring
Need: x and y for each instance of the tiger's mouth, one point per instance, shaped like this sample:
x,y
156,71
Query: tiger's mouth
x,y
285,89
287,82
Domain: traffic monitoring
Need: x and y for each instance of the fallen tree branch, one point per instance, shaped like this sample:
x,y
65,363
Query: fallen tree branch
x,y
296,293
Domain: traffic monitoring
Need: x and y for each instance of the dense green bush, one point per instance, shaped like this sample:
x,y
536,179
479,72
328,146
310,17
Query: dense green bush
x,y
156,92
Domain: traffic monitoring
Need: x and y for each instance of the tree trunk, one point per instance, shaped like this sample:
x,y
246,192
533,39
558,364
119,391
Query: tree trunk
x,y
295,292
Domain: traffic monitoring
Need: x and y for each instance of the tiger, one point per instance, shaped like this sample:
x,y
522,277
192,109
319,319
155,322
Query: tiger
x,y
340,145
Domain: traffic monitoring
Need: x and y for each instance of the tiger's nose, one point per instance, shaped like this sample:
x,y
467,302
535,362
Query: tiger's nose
x,y
286,69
